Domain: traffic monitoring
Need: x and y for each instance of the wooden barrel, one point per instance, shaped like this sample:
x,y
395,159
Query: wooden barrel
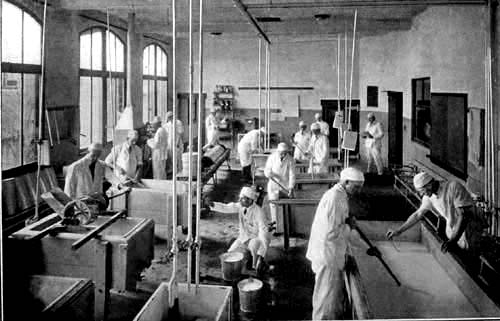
x,y
9,199
250,291
232,264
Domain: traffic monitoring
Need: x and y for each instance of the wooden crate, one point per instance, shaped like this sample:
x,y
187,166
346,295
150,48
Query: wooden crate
x,y
115,260
49,298
211,302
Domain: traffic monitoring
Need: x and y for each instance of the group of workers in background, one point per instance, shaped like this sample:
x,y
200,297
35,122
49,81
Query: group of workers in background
x,y
333,229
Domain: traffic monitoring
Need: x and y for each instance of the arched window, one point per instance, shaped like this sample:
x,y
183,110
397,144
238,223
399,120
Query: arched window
x,y
21,69
100,98
154,83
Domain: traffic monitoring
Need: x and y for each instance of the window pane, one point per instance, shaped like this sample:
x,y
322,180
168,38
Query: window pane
x,y
97,50
145,61
85,104
11,33
30,105
427,89
151,98
111,52
85,41
120,54
114,102
32,40
97,110
162,96
418,91
162,71
145,101
152,61
11,120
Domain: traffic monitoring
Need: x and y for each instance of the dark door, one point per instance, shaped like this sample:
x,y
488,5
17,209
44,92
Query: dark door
x,y
395,127
329,107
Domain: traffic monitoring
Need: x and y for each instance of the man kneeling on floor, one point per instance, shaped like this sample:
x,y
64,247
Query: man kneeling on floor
x,y
253,228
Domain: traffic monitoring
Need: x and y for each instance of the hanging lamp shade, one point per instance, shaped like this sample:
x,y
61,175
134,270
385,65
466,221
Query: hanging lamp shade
x,y
126,119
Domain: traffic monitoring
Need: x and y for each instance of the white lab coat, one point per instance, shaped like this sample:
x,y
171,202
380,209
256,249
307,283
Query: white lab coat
x,y
328,244
319,150
302,140
179,142
282,171
79,181
324,127
374,146
159,146
253,228
127,157
248,144
212,128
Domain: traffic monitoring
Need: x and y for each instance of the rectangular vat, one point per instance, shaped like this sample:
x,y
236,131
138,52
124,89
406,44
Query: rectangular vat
x,y
211,302
433,284
113,260
49,298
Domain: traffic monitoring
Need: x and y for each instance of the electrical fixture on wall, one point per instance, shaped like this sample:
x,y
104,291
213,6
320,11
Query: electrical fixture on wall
x,y
216,33
322,17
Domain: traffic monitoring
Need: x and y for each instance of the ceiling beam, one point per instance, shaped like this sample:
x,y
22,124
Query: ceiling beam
x,y
361,3
252,20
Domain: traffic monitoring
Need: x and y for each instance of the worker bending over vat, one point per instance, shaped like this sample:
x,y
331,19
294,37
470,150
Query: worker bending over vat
x,y
179,144
248,145
331,238
324,127
452,201
253,227
373,135
318,151
280,170
159,145
126,159
212,127
85,176
301,141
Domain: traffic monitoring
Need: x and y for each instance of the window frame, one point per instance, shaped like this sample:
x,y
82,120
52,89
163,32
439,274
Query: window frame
x,y
22,69
103,74
415,105
155,78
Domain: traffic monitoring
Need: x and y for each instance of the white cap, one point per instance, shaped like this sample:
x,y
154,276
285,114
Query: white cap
x,y
302,123
156,120
315,126
95,146
263,129
351,174
370,115
317,115
282,147
132,133
421,179
248,192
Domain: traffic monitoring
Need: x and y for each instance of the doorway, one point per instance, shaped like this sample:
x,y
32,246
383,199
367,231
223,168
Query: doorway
x,y
329,107
395,127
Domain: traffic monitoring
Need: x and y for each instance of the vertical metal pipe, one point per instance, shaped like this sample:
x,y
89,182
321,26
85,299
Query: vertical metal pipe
x,y
346,119
173,281
41,94
198,167
259,90
268,127
339,131
352,72
108,63
190,148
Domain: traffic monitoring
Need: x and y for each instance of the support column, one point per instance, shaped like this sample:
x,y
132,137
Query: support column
x,y
495,79
134,70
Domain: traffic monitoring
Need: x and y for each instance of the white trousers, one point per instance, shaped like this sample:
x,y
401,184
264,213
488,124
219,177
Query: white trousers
x,y
255,246
329,294
374,156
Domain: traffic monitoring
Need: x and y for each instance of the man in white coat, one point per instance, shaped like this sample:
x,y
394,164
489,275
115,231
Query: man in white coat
x,y
301,140
318,151
248,145
325,128
280,170
212,127
253,227
126,158
159,146
331,238
178,143
85,176
373,135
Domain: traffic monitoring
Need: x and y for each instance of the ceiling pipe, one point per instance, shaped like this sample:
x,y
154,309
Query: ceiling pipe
x,y
252,20
362,3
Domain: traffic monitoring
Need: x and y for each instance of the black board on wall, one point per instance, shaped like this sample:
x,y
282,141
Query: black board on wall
x,y
449,132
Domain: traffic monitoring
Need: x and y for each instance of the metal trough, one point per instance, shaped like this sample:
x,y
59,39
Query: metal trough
x,y
210,302
49,298
114,259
